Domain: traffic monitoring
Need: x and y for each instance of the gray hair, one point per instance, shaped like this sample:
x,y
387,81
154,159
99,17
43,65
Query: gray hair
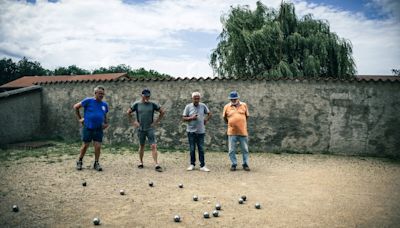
x,y
99,87
196,94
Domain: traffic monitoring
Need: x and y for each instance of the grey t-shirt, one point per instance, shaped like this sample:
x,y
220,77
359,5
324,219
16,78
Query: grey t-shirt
x,y
145,113
196,125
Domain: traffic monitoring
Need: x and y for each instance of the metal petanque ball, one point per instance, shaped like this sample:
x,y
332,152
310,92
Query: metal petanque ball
x,y
122,192
195,198
96,221
180,185
215,213
151,184
218,206
258,206
84,184
177,218
244,198
206,215
241,201
15,208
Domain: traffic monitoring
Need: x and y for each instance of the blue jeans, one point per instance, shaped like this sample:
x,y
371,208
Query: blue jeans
x,y
196,139
233,139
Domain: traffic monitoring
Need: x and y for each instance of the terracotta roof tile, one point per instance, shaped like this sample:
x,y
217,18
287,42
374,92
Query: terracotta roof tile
x,y
32,80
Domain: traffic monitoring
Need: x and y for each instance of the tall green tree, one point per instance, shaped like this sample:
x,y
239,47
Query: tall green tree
x,y
70,70
276,43
8,71
29,68
133,73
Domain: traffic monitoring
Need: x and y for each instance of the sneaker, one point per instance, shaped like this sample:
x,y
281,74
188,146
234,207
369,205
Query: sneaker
x,y
190,168
233,168
140,166
79,165
204,169
97,166
246,167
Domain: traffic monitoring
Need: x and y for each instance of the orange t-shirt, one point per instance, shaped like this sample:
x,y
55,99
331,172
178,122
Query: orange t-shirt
x,y
237,118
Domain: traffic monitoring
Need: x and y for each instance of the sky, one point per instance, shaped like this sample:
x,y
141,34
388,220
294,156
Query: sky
x,y
176,36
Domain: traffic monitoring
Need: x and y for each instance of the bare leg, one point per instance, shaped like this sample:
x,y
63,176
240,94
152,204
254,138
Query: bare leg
x,y
97,148
154,153
83,150
141,153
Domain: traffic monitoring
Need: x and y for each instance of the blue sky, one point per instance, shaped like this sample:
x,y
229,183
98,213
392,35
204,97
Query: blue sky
x,y
176,36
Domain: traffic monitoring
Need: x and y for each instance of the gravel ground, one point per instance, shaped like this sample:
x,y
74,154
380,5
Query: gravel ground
x,y
294,191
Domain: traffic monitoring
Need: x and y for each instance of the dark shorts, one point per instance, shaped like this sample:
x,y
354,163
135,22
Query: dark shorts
x,y
89,135
149,134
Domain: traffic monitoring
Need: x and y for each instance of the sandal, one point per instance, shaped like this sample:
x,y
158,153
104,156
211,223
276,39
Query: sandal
x,y
140,166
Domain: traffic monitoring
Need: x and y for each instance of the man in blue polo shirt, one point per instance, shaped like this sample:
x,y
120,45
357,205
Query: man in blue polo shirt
x,y
94,121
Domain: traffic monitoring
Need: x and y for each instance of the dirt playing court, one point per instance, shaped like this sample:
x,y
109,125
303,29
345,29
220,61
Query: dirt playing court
x,y
294,191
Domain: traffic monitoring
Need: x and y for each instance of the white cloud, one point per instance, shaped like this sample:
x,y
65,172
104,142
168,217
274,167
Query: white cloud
x,y
93,33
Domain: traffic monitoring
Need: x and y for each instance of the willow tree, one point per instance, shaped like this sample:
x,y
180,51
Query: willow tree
x,y
270,43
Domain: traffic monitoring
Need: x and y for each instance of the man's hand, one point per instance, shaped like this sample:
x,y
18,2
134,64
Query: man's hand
x,y
194,117
205,121
81,120
136,124
105,126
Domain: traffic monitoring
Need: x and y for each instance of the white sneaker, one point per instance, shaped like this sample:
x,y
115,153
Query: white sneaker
x,y
190,168
204,169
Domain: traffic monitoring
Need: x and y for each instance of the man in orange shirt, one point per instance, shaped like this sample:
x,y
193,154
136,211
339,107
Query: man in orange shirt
x,y
235,115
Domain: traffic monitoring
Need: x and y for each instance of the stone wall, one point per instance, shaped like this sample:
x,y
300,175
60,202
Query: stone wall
x,y
340,117
20,115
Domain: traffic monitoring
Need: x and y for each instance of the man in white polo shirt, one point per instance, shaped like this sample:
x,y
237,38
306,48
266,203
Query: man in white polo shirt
x,y
197,115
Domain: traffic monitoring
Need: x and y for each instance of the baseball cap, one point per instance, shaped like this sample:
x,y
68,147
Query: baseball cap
x,y
146,93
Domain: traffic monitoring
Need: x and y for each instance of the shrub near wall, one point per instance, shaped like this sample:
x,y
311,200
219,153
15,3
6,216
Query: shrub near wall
x,y
341,117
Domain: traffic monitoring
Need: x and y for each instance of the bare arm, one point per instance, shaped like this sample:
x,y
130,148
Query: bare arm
x,y
77,106
162,113
135,123
105,125
209,114
189,118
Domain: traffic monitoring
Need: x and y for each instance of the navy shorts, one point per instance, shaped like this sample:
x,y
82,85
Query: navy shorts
x,y
89,135
149,134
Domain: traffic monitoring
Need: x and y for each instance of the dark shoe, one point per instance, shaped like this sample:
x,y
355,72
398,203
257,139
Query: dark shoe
x,y
97,166
158,168
233,168
79,165
140,166
246,167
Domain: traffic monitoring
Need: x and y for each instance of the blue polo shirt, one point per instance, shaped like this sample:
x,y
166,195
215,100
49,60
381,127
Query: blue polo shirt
x,y
94,112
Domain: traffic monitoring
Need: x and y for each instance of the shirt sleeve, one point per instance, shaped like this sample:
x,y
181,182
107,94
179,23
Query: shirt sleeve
x,y
186,111
134,107
224,112
156,107
206,110
85,102
106,105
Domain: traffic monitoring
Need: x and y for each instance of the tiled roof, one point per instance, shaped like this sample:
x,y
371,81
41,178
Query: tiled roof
x,y
359,78
383,78
32,80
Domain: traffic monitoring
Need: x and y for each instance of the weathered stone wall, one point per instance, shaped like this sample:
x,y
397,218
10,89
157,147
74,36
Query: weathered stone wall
x,y
20,115
305,116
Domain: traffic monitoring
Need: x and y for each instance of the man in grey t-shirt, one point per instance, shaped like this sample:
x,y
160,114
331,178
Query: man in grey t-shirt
x,y
144,123
195,114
